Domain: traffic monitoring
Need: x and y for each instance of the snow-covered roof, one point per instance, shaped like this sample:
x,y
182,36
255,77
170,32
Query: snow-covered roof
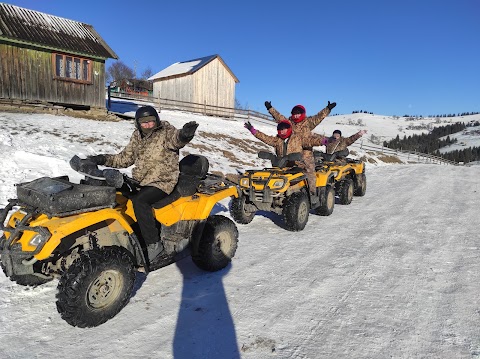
x,y
188,68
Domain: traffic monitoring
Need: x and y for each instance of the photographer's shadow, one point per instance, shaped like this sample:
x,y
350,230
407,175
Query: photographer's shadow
x,y
205,326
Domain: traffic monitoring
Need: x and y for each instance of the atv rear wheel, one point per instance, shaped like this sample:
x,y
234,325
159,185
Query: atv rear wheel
x,y
238,210
327,203
346,191
295,211
217,245
360,185
96,286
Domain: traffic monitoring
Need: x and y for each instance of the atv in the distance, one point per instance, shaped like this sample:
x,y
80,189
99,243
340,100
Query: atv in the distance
x,y
86,235
282,189
350,178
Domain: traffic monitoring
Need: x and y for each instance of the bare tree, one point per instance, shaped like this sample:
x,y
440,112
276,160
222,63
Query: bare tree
x,y
148,72
118,71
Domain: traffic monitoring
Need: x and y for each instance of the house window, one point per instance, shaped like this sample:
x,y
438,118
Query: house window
x,y
72,68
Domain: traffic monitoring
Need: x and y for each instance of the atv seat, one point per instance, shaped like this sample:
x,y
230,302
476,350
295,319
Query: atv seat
x,y
193,168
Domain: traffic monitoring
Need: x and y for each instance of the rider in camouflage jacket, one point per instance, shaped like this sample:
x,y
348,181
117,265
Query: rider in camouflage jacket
x,y
302,126
154,151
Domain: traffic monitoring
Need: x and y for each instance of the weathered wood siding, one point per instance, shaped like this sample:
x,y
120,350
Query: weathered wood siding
x,y
28,74
178,88
210,85
214,85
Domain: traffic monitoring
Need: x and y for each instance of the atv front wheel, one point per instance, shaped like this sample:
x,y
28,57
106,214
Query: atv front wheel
x,y
239,212
346,191
29,280
360,185
295,211
327,202
96,287
217,245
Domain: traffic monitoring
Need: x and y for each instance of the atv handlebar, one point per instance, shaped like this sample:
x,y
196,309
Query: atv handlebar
x,y
112,177
280,161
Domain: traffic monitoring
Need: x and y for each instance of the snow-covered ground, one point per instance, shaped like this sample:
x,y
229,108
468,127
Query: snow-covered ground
x,y
395,274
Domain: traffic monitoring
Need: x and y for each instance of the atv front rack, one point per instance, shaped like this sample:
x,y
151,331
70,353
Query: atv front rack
x,y
11,244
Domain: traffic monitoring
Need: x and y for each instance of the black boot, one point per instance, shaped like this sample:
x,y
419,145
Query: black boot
x,y
314,200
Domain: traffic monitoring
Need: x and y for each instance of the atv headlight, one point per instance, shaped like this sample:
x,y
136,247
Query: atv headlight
x,y
36,240
277,184
244,182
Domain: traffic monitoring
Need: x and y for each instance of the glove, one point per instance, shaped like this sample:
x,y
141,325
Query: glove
x,y
98,159
188,131
268,105
249,127
362,132
331,105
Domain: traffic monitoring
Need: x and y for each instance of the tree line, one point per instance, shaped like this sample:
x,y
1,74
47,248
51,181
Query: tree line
x,y
431,143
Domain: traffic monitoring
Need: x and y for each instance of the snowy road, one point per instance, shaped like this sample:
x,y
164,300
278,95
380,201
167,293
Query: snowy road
x,y
394,274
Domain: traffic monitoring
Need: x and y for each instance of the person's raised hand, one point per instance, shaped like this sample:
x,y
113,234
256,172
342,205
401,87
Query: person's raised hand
x,y
331,105
188,131
250,127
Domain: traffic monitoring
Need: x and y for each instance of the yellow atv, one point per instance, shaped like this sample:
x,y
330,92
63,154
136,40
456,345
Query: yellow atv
x,y
350,178
282,189
86,235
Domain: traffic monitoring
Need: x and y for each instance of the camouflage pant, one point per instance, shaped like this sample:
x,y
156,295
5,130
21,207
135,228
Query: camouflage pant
x,y
310,172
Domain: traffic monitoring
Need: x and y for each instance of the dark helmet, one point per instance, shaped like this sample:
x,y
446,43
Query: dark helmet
x,y
284,125
146,111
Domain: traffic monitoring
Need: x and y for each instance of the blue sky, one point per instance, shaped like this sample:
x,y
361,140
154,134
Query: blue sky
x,y
416,57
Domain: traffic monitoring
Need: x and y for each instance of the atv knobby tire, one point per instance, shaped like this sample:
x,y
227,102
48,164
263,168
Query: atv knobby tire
x,y
96,286
360,185
346,191
238,211
217,245
295,211
327,202
30,280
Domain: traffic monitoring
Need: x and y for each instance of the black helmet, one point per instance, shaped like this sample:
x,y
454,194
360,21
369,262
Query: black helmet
x,y
146,111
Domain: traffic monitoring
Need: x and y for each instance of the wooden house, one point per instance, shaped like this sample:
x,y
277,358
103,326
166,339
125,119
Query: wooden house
x,y
132,86
50,59
207,82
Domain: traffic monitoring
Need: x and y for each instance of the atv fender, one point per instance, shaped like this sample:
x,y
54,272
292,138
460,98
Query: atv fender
x,y
196,207
61,227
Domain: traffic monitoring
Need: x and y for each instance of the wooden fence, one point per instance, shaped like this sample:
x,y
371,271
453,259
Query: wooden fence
x,y
406,155
204,109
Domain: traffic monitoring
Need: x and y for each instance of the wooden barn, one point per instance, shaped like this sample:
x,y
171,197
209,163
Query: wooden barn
x,y
207,82
49,59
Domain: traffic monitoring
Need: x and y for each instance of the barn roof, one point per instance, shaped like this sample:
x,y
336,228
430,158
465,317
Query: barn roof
x,y
189,67
37,29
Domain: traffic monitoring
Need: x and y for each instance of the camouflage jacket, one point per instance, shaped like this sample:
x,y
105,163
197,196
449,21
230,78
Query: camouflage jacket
x,y
295,143
303,129
155,157
341,143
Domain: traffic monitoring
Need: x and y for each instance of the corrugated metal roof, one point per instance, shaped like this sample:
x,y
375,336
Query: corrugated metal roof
x,y
18,24
188,67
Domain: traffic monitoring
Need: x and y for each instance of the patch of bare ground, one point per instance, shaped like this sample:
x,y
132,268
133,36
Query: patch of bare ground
x,y
389,159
